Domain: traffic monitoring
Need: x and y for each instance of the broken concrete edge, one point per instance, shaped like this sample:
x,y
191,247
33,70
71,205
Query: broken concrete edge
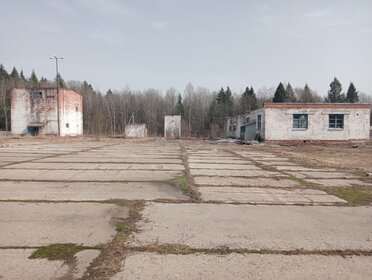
x,y
109,262
181,249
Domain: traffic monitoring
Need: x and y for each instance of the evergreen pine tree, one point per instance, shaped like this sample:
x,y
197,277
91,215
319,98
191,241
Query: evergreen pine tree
x,y
306,95
61,82
352,94
180,109
3,73
221,96
334,93
14,74
33,79
22,76
290,95
252,99
245,101
279,95
229,103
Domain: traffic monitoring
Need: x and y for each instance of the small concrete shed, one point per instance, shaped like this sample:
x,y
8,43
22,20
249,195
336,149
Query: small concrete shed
x,y
172,126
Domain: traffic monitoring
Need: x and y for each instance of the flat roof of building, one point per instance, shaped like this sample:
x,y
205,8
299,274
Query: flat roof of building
x,y
318,105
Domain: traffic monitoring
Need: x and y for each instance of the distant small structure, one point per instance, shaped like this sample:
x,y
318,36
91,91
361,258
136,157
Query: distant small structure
x,y
172,126
34,112
135,130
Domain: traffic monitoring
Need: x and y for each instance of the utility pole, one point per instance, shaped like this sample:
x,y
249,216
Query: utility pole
x,y
57,81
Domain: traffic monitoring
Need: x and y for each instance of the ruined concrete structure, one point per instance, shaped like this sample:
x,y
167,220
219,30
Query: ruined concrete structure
x,y
303,121
34,112
135,130
172,126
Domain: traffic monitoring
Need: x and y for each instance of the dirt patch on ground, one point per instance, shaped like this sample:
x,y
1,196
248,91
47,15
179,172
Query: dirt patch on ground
x,y
341,156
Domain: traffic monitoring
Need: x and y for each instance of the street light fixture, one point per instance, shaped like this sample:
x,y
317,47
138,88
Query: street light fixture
x,y
57,77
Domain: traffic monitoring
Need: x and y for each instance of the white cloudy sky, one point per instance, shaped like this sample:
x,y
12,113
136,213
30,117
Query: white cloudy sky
x,y
211,43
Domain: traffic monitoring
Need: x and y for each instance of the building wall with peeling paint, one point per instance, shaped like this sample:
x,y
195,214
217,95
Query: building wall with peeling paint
x,y
172,126
36,109
279,122
275,122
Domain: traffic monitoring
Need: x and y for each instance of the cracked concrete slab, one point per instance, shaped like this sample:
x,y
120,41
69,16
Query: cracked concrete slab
x,y
245,182
275,163
300,168
15,264
321,175
235,173
256,227
112,160
95,166
88,191
338,182
149,266
87,175
266,195
220,166
38,224
223,161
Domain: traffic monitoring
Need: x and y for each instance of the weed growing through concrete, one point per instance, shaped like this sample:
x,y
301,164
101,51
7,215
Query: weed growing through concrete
x,y
123,228
360,195
64,252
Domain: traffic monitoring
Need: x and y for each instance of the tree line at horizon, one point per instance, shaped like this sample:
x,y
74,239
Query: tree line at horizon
x,y
203,111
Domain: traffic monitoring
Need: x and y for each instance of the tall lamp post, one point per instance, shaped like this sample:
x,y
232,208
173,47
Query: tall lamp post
x,y
57,81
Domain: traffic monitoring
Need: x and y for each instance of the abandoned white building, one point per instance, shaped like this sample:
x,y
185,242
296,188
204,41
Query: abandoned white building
x,y
303,121
34,112
172,126
133,130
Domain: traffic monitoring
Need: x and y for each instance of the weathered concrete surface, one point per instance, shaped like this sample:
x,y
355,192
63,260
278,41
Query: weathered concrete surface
x,y
235,173
95,166
120,154
256,226
338,182
321,175
300,168
87,175
88,191
218,160
37,224
112,160
223,166
15,265
82,261
245,182
267,196
238,266
275,163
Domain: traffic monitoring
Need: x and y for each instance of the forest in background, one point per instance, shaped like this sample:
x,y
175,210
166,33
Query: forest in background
x,y
203,111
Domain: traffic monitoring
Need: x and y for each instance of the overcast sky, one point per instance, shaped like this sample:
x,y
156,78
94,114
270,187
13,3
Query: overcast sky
x,y
210,43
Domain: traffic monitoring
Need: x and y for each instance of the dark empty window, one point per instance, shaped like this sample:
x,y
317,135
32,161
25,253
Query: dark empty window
x,y
234,127
259,122
67,125
36,94
336,121
300,121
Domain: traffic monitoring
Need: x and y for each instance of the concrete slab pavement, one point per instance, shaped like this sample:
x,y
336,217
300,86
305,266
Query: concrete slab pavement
x,y
258,227
148,266
38,224
88,191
